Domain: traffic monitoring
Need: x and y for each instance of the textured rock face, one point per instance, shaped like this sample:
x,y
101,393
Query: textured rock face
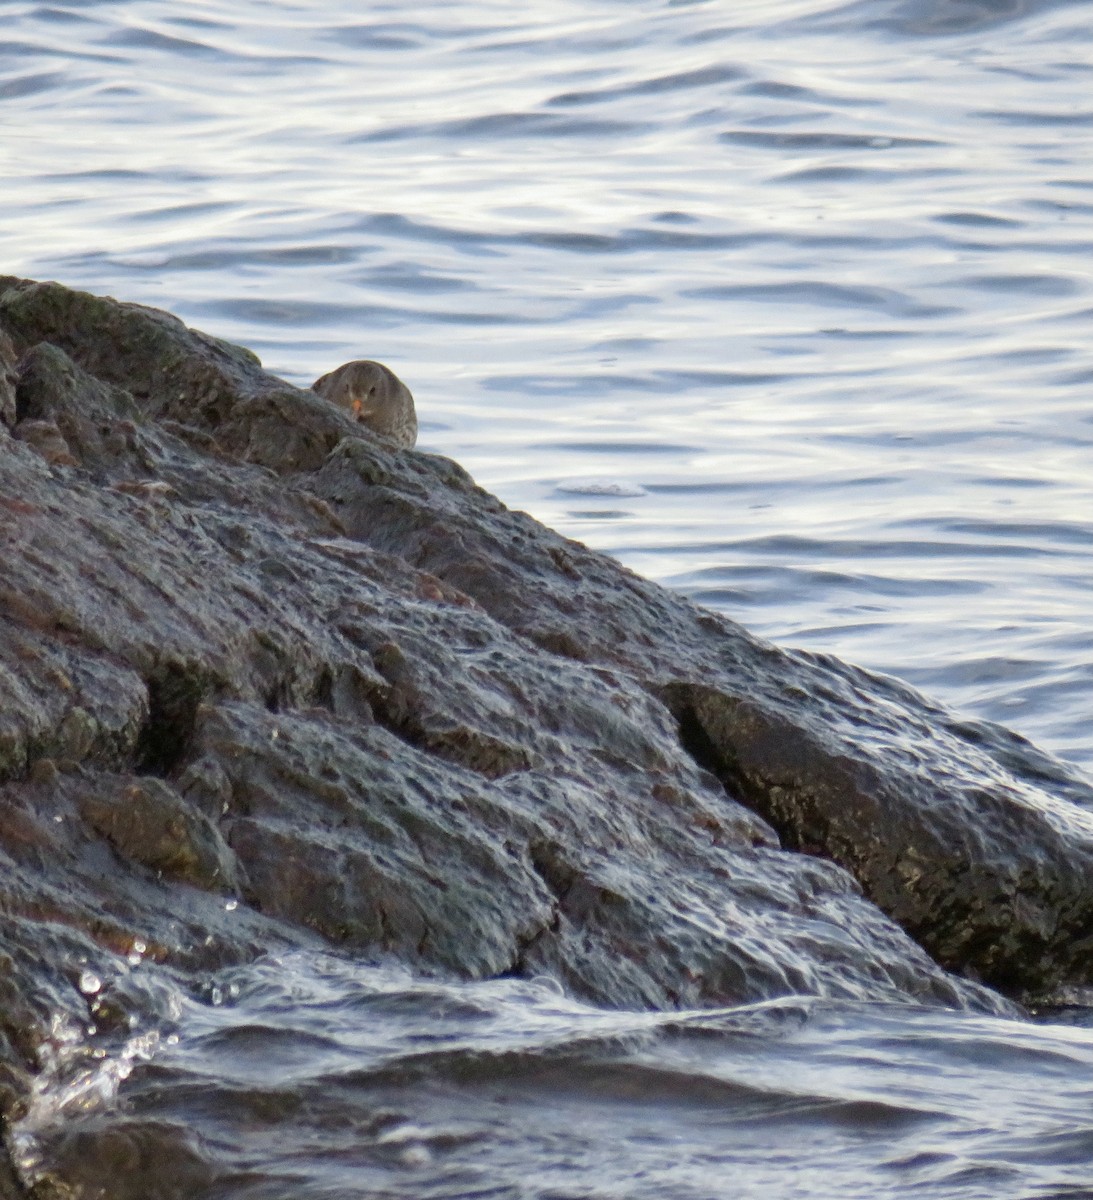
x,y
8,379
247,653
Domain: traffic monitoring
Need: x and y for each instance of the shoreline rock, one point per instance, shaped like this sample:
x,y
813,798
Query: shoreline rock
x,y
266,682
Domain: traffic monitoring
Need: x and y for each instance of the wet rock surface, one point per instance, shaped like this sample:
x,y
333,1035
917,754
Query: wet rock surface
x,y
269,683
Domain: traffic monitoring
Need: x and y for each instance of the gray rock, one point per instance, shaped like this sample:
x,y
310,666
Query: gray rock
x,y
8,358
248,649
972,839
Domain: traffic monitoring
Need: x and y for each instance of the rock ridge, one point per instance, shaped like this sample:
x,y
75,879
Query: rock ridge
x,y
267,682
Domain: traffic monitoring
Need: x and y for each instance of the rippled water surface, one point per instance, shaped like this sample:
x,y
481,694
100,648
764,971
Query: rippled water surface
x,y
315,1078
785,303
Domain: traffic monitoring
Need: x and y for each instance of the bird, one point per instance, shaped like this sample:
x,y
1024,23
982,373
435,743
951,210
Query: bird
x,y
375,396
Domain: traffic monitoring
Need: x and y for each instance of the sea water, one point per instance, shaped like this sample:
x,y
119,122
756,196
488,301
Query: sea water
x,y
785,303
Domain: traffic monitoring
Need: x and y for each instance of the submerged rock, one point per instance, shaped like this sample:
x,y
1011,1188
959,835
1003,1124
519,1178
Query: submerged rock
x,y
266,681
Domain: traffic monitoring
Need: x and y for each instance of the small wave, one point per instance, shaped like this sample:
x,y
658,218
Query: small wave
x,y
701,77
379,36
978,220
305,314
1020,285
1025,117
151,39
504,125
821,295
820,140
31,85
933,18
380,1082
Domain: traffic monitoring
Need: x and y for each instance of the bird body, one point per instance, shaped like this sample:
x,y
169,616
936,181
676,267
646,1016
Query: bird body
x,y
374,395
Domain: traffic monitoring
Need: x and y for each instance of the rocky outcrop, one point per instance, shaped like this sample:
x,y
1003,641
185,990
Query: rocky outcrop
x,y
267,682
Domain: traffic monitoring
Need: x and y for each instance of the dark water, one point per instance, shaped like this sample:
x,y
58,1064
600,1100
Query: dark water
x,y
313,1078
787,304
